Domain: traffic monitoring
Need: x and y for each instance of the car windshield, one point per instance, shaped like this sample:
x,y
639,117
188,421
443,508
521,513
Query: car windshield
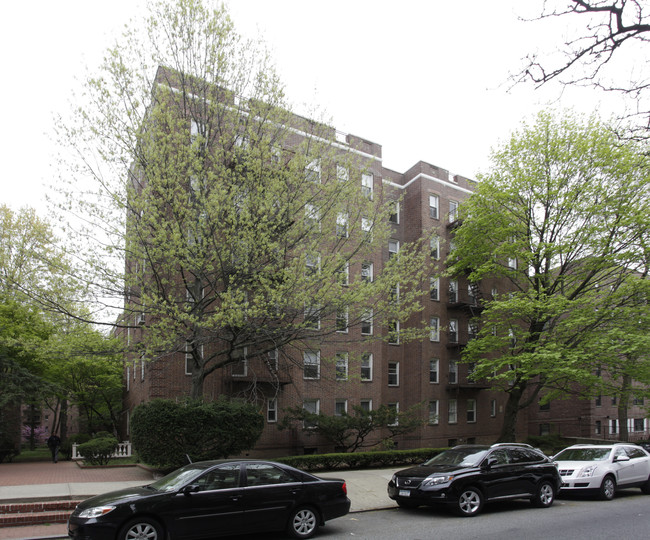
x,y
178,478
583,454
465,457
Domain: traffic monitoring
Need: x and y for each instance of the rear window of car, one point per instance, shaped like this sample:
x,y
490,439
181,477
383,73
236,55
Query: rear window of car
x,y
464,457
583,454
525,455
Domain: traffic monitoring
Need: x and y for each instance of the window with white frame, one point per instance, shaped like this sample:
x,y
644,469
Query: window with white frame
x,y
366,405
367,271
393,248
311,365
340,407
342,320
512,263
366,367
366,228
434,206
344,274
434,412
366,323
312,216
452,411
271,410
240,368
472,330
471,411
613,426
435,329
342,173
273,360
393,373
393,332
312,406
394,408
434,369
341,366
367,181
453,331
394,294
434,244
312,263
453,371
434,288
493,408
312,171
393,217
453,291
453,211
312,317
342,225
599,427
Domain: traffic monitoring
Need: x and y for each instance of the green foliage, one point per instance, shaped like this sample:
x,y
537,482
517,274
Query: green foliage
x,y
165,432
98,451
349,431
562,217
360,460
549,444
8,445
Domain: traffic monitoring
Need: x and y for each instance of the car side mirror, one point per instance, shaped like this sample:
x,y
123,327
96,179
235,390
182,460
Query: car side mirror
x,y
491,462
190,488
621,458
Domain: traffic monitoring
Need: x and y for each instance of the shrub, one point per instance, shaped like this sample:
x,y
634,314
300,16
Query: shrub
x,y
166,432
66,446
8,447
98,451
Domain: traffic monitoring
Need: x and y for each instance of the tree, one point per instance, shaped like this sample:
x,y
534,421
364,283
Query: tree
x,y
350,431
563,217
602,54
230,224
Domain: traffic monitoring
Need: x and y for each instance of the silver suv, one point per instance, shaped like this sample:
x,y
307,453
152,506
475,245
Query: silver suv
x,y
603,468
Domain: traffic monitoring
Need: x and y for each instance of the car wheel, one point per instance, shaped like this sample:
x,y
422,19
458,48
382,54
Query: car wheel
x,y
545,495
142,529
407,504
645,488
470,502
608,488
303,522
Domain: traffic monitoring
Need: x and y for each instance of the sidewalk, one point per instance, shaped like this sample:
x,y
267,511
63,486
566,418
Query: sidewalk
x,y
24,482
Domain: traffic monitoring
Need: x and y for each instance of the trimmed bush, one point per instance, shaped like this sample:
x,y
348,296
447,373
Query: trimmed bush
x,y
165,432
98,451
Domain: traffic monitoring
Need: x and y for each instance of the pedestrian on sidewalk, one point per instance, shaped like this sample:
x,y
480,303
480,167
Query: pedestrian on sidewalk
x,y
53,443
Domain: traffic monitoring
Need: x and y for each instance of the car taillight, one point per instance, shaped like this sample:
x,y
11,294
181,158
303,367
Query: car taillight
x,y
344,488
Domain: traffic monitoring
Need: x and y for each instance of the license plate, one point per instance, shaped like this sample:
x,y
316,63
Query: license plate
x,y
404,493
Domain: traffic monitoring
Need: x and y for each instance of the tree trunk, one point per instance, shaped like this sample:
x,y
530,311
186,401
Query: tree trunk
x,y
508,429
623,433
63,420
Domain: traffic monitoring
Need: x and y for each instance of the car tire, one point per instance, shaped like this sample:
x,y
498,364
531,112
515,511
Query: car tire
x,y
645,488
544,495
407,504
303,522
470,502
142,528
607,488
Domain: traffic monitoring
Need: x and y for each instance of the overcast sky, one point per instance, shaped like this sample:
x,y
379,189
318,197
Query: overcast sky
x,y
428,80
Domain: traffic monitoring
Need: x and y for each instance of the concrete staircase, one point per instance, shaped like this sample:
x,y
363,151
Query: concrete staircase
x,y
36,513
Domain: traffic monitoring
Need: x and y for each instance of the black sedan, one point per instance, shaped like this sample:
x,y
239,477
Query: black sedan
x,y
213,498
467,476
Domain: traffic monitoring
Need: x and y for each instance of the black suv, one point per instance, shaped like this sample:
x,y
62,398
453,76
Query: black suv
x,y
467,476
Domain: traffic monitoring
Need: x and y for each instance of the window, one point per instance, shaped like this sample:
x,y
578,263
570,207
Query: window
x,y
342,366
493,408
366,323
393,217
342,225
340,407
472,330
312,216
366,367
434,288
393,333
342,173
393,373
453,372
394,408
367,271
312,317
271,410
599,427
453,331
312,171
452,411
312,406
434,414
453,292
471,411
311,365
240,368
637,400
512,263
599,400
434,204
613,426
342,320
544,429
366,404
453,211
273,360
435,329
394,294
639,424
434,244
393,248
367,181
312,263
546,406
494,292
434,366
344,274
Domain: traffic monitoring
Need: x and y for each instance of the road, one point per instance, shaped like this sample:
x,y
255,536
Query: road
x,y
626,517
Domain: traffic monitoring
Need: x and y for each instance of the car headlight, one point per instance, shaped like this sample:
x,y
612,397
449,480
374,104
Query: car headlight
x,y
96,511
437,480
588,471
